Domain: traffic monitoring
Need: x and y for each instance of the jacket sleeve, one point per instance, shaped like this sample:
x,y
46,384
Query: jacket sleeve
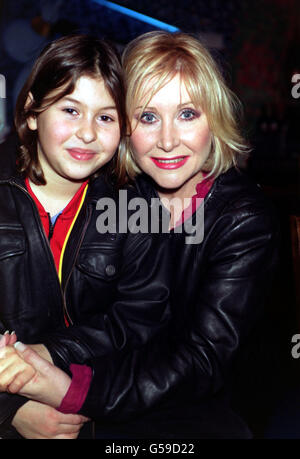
x,y
9,405
139,310
193,360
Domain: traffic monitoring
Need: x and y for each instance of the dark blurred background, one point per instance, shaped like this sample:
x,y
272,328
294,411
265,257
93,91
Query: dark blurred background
x,y
257,43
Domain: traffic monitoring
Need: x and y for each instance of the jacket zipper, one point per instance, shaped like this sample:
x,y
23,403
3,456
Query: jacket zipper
x,y
67,318
73,265
51,227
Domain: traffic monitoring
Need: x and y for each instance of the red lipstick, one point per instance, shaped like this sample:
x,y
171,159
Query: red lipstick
x,y
170,163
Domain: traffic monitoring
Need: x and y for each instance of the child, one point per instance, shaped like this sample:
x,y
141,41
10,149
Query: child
x,y
63,283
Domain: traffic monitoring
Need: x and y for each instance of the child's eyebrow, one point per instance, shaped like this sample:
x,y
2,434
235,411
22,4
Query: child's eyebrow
x,y
76,101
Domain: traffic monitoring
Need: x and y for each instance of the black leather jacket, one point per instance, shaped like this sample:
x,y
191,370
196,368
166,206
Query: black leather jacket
x,y
218,290
110,282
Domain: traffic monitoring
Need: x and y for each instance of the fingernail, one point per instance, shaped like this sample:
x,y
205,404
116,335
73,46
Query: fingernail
x,y
20,346
13,332
7,332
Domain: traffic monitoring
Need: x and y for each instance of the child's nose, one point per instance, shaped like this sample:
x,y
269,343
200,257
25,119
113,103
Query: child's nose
x,y
86,131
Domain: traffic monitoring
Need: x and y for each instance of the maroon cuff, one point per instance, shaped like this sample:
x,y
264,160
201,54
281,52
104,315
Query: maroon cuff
x,y
79,387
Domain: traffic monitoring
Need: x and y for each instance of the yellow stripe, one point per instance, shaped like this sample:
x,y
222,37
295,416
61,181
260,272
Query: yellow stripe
x,y
68,234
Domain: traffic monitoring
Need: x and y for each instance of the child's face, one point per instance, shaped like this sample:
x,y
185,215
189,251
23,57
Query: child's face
x,y
78,134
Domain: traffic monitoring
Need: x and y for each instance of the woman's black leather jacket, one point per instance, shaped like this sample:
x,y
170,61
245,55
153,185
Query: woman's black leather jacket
x,y
217,296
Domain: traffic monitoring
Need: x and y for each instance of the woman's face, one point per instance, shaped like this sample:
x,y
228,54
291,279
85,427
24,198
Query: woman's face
x,y
78,134
171,139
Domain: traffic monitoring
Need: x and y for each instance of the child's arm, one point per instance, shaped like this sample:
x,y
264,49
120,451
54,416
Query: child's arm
x,y
13,369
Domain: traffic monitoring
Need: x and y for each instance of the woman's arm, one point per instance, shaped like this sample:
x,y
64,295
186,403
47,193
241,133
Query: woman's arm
x,y
139,310
198,357
194,359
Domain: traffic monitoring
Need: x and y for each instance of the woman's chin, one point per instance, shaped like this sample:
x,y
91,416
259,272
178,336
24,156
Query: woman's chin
x,y
169,186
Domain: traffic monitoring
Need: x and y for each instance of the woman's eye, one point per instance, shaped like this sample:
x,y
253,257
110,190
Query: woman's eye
x,y
188,115
147,118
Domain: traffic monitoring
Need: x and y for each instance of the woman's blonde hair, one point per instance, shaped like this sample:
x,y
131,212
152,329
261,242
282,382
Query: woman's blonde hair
x,y
158,56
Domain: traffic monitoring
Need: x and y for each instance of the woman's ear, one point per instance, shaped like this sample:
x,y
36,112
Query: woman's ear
x,y
31,120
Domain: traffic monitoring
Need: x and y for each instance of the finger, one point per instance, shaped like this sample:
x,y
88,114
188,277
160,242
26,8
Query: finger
x,y
12,369
7,359
71,436
72,419
70,428
12,338
32,357
7,377
4,339
20,380
68,431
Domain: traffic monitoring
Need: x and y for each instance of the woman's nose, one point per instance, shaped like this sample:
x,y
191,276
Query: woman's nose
x,y
168,137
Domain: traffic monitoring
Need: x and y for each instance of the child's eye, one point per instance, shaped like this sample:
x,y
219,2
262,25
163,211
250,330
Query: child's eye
x,y
188,114
147,118
70,111
106,118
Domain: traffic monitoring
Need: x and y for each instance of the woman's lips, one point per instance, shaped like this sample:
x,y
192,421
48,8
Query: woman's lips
x,y
170,163
81,154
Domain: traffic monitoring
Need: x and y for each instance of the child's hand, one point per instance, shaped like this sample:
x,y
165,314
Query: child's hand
x,y
14,371
49,385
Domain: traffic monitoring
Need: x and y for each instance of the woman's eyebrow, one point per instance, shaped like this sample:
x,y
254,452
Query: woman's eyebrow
x,y
189,102
145,108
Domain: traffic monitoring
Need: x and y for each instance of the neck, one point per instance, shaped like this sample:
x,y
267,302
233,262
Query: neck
x,y
176,200
61,189
185,191
55,196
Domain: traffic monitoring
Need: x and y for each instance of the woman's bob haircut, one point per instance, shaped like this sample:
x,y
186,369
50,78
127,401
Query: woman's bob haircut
x,y
156,57
53,76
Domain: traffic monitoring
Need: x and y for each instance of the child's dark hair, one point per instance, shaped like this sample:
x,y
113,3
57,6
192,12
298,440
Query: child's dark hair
x,y
53,76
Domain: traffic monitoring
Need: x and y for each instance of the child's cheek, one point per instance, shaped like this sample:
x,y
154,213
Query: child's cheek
x,y
62,131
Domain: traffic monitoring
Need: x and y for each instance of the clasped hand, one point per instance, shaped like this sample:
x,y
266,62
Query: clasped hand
x,y
24,372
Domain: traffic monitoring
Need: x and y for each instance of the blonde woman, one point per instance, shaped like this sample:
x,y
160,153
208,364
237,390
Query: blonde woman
x,y
182,152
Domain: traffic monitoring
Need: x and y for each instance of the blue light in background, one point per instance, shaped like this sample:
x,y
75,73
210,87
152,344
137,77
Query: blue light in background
x,y
138,16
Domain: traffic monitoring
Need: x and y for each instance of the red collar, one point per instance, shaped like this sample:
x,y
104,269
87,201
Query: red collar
x,y
202,189
68,212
